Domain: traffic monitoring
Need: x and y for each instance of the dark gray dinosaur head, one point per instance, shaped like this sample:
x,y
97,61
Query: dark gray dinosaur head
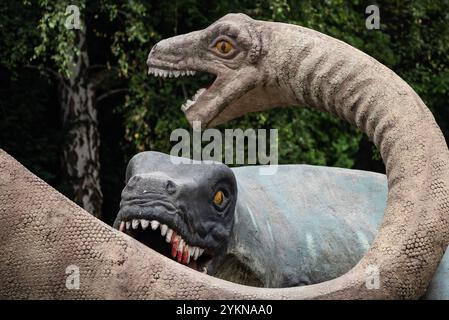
x,y
181,210
230,49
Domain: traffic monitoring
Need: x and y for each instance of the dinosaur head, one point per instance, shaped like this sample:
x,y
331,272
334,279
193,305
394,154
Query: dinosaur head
x,y
231,50
181,210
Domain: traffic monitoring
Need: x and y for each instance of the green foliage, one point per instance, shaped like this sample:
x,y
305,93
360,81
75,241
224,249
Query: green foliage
x,y
57,43
16,41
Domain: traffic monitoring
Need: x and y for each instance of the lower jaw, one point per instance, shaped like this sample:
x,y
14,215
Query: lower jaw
x,y
155,241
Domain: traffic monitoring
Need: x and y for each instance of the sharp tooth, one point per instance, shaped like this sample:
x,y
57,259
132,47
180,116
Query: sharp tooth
x,y
135,223
122,226
199,92
180,249
196,253
163,229
174,245
154,224
128,224
185,254
181,245
193,73
201,252
191,251
204,270
176,73
144,223
168,235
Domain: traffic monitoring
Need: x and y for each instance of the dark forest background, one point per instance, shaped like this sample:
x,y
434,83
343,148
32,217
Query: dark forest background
x,y
76,105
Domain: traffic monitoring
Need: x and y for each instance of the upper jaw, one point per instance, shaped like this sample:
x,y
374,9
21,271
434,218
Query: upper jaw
x,y
182,248
206,104
168,69
165,213
162,68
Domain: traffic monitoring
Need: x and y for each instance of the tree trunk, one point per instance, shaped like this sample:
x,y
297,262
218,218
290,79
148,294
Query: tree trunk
x,y
82,140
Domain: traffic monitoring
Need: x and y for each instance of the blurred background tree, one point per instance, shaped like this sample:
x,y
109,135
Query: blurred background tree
x,y
122,111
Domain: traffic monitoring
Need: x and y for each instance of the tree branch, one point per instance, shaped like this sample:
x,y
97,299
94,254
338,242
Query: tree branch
x,y
97,78
110,93
97,66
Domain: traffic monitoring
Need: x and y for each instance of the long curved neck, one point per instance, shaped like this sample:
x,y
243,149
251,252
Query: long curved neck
x,y
327,74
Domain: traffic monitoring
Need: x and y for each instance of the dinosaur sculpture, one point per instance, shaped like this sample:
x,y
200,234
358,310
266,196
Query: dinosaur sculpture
x,y
279,236
276,233
258,65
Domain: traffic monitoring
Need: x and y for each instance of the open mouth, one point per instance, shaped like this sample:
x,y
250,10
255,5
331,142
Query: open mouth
x,y
168,70
168,242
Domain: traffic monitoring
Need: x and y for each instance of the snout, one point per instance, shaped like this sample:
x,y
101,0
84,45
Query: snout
x,y
149,196
174,52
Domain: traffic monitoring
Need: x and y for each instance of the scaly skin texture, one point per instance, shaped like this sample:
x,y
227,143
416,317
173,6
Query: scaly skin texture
x,y
42,232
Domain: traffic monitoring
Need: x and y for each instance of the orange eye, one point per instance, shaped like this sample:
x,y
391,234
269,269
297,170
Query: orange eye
x,y
218,198
224,46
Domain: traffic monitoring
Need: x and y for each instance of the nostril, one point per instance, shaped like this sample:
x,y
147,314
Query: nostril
x,y
170,187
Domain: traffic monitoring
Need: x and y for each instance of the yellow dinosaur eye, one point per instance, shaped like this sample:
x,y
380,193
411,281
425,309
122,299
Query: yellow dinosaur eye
x,y
218,198
224,46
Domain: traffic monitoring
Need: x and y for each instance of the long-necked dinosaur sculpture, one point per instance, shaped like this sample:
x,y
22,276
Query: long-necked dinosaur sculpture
x,y
259,65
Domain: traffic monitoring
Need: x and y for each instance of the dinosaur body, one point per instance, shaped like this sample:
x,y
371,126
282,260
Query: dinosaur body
x,y
301,226
306,225
42,232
